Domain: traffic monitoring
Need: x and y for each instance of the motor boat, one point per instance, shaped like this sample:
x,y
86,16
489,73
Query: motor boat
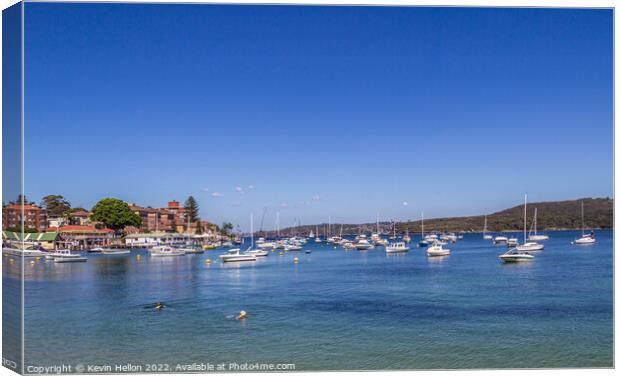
x,y
448,238
362,244
191,250
95,250
292,247
65,255
586,239
266,245
437,250
165,251
512,242
347,245
515,255
256,252
530,247
317,240
499,240
115,251
397,247
27,251
235,255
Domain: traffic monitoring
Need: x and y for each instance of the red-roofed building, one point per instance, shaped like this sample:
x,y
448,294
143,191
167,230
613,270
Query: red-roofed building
x,y
170,219
34,216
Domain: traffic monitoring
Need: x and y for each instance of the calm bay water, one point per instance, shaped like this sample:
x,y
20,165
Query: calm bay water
x,y
335,309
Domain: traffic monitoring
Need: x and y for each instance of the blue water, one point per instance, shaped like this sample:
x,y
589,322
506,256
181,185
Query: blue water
x,y
334,309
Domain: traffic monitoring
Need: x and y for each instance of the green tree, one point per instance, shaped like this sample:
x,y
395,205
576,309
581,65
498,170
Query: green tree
x,y
226,227
191,207
115,214
56,205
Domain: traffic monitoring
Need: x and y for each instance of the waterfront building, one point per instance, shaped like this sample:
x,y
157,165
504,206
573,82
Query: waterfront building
x,y
147,240
172,218
34,217
84,237
47,240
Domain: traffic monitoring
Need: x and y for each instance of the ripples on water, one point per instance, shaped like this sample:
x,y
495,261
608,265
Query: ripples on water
x,y
332,310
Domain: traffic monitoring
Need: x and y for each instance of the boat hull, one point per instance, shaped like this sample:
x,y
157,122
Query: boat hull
x,y
530,247
240,258
515,258
396,250
585,241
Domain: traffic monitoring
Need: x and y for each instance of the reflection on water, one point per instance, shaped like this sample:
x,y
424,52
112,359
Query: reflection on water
x,y
331,310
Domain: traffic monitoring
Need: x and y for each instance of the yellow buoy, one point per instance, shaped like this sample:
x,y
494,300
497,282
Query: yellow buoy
x,y
281,253
242,315
295,260
38,258
208,261
32,262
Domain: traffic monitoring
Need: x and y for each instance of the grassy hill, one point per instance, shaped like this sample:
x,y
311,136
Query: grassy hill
x,y
552,215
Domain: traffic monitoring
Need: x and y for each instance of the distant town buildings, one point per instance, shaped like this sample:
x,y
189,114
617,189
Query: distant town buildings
x,y
172,218
34,217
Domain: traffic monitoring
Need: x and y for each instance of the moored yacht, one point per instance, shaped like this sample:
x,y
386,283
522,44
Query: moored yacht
x,y
437,250
515,255
512,242
115,251
585,238
536,236
23,250
165,251
530,247
500,239
486,236
397,247
65,255
235,255
362,244
256,252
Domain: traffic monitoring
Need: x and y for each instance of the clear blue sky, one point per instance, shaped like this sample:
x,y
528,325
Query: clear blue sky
x,y
318,111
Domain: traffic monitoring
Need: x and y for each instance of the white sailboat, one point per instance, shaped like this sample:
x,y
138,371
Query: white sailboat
x,y
251,251
536,236
486,236
424,242
585,238
528,245
516,254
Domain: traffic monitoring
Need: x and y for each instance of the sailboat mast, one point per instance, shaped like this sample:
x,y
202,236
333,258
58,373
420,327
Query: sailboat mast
x,y
329,225
252,229
582,221
422,225
525,220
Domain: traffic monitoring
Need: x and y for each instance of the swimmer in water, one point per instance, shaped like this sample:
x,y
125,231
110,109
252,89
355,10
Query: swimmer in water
x,y
242,315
